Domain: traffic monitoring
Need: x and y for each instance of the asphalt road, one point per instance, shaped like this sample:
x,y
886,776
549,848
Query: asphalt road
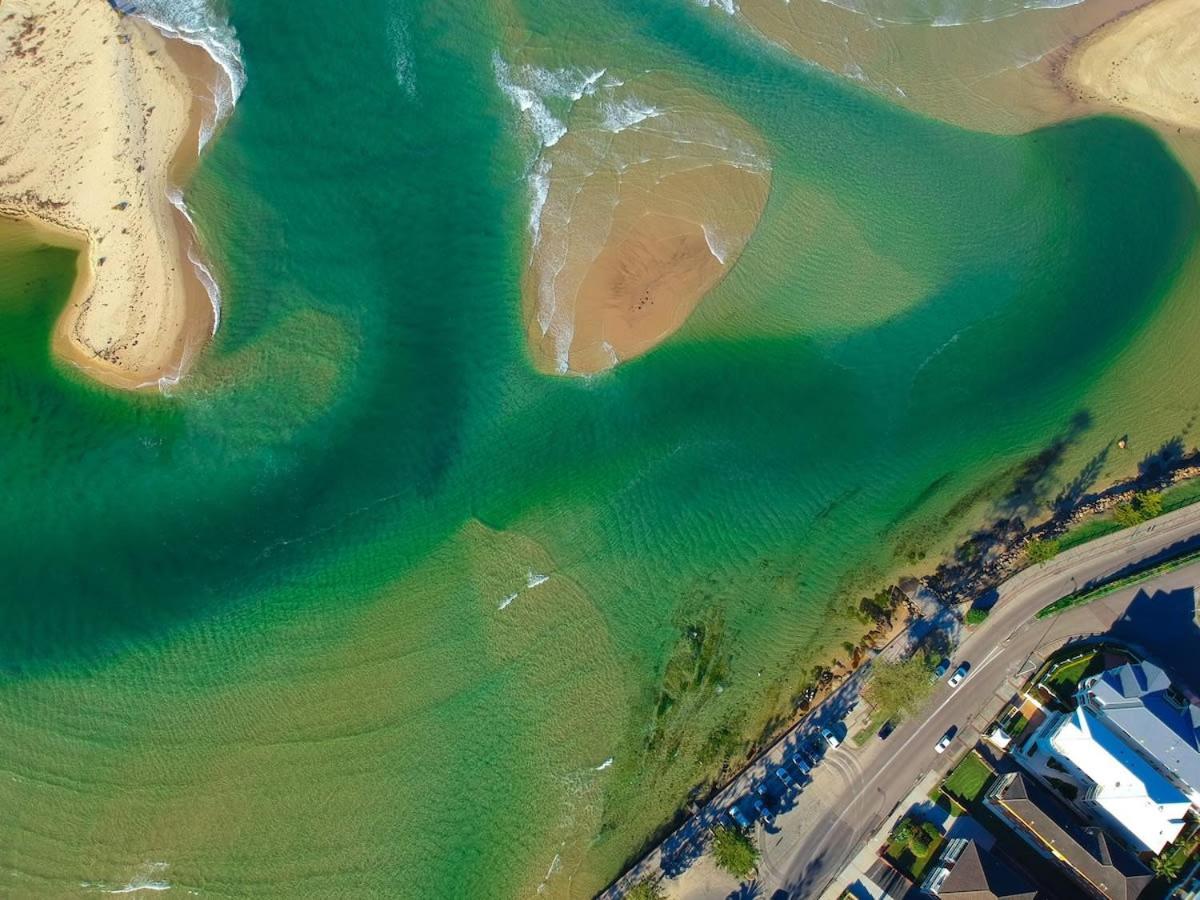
x,y
855,789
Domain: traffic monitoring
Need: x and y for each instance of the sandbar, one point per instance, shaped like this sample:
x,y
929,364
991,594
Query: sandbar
x,y
1146,62
649,197
100,119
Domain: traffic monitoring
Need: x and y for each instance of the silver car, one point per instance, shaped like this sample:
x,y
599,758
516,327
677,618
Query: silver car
x,y
959,674
940,746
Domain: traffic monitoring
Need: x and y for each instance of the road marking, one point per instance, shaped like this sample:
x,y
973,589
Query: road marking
x,y
929,718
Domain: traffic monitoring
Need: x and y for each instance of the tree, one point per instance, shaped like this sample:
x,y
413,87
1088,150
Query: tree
x,y
734,851
1040,550
646,889
903,831
897,688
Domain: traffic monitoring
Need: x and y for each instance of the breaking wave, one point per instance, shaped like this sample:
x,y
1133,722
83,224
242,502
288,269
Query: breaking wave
x,y
197,23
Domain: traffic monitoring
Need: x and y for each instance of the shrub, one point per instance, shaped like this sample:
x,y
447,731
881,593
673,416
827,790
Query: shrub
x,y
931,831
1150,504
646,889
1040,550
1144,505
976,617
903,831
734,851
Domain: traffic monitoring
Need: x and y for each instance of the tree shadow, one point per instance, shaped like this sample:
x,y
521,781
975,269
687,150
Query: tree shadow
x,y
1162,461
1077,489
750,890
810,881
1035,475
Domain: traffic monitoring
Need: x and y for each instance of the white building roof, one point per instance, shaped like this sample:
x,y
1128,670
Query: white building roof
x,y
1129,790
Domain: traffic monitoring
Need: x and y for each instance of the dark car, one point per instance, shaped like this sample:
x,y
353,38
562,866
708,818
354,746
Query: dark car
x,y
762,790
765,814
739,817
942,668
783,775
802,763
886,731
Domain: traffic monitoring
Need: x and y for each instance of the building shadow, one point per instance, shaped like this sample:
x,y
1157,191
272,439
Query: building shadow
x,y
1163,626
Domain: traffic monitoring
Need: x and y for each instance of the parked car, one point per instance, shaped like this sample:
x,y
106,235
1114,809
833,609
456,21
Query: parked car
x,y
765,814
783,775
959,674
830,738
886,731
739,816
940,746
942,668
762,790
802,763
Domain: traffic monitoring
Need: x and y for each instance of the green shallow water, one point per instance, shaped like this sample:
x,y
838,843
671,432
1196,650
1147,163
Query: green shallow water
x,y
252,636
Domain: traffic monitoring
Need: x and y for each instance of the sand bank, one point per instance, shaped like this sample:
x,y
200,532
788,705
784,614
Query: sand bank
x,y
646,201
99,120
1147,62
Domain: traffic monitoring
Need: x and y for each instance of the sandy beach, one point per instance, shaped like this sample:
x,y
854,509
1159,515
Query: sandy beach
x,y
1146,62
101,119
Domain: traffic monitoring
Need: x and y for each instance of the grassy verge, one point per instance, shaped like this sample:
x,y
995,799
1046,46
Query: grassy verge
x,y
1174,497
1088,531
1078,599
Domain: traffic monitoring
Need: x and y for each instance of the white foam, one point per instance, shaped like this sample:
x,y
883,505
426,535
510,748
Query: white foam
x,y
531,88
539,184
715,246
604,765
507,601
972,12
195,22
533,579
627,113
402,58
203,273
148,879
729,7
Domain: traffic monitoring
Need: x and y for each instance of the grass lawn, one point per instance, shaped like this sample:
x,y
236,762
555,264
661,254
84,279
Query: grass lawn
x,y
969,779
1064,682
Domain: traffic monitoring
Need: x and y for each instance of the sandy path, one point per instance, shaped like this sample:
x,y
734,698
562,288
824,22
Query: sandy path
x,y
94,112
1146,62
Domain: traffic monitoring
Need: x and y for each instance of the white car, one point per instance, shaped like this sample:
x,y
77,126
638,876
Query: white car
x,y
830,738
940,746
959,674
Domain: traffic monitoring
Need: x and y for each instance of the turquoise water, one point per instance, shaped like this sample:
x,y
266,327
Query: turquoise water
x,y
253,636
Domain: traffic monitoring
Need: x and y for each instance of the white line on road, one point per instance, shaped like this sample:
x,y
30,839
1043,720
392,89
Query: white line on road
x,y
920,728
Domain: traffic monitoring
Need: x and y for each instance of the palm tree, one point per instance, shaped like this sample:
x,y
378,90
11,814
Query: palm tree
x,y
1166,866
